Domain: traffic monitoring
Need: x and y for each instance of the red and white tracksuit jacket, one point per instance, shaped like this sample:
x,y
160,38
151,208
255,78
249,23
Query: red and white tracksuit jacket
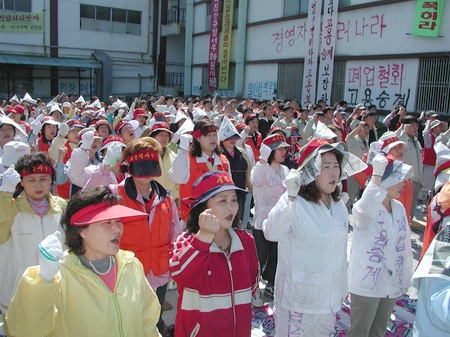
x,y
214,290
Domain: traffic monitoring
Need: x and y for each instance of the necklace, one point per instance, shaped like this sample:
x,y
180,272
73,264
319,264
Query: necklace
x,y
106,272
225,248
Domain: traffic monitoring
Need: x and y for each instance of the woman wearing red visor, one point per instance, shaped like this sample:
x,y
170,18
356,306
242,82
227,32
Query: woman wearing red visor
x,y
94,288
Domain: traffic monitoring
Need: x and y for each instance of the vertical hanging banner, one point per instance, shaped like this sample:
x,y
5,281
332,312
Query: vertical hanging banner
x,y
327,51
310,68
213,45
428,18
227,30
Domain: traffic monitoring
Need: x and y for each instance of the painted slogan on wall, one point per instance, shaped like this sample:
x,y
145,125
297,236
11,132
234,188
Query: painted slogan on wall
x,y
384,83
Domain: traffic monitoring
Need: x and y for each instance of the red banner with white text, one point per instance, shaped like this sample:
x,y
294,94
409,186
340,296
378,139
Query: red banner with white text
x,y
213,45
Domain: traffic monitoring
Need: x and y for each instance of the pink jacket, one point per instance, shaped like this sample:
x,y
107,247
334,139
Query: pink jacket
x,y
214,290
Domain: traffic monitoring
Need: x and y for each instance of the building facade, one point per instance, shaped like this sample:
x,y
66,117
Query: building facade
x,y
101,48
376,59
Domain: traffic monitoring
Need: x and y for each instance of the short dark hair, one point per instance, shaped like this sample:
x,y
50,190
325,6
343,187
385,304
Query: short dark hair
x,y
195,149
192,221
317,106
168,97
410,120
82,199
247,109
312,193
326,109
29,161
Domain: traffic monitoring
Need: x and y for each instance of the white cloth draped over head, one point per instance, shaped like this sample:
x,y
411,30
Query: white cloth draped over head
x,y
351,164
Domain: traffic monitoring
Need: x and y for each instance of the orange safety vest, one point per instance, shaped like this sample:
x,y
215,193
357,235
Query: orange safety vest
x,y
149,243
196,171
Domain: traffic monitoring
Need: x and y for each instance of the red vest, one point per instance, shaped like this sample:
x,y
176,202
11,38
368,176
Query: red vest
x,y
196,171
42,146
63,190
257,147
150,247
429,156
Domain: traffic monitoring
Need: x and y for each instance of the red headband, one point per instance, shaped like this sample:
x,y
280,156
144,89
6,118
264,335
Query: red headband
x,y
198,133
143,155
389,141
274,139
38,169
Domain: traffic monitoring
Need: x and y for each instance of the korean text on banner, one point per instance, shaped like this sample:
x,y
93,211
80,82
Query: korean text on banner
x,y
325,76
213,45
22,22
225,52
428,18
310,68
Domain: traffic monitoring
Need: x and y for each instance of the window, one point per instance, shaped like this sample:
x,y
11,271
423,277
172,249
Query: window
x,y
295,7
103,19
235,12
205,87
20,79
16,5
208,16
433,90
290,80
338,86
106,19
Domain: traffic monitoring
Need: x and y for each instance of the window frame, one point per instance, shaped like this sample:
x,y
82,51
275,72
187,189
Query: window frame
x,y
114,26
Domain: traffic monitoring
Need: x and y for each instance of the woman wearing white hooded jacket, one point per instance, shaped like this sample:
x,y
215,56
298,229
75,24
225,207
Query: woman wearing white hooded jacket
x,y
380,266
310,223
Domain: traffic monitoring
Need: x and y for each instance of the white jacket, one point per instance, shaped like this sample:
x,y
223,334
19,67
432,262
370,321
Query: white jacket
x,y
21,232
267,189
312,254
381,256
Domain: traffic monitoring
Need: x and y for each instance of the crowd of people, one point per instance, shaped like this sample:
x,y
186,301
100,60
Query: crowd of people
x,y
104,204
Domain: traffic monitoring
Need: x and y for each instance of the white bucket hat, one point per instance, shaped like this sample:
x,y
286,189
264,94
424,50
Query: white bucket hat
x,y
12,151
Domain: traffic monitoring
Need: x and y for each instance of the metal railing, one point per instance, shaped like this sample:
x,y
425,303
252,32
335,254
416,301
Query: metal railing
x,y
175,15
175,80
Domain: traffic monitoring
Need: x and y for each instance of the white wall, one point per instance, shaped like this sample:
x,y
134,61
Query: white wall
x,y
385,32
260,10
200,49
200,18
70,35
196,81
260,80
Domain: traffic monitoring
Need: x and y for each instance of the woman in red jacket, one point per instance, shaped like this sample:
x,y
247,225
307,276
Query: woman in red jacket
x,y
48,132
214,263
